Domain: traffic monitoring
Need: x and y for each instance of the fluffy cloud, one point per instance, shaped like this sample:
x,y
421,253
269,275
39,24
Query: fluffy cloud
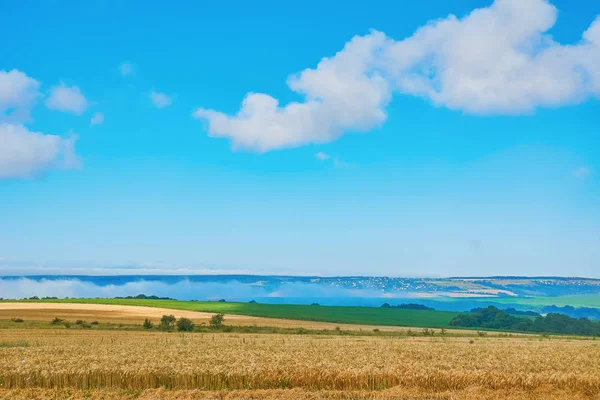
x,y
344,92
160,100
496,60
67,99
18,93
24,153
97,119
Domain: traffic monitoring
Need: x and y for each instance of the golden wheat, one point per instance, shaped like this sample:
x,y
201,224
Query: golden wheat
x,y
100,360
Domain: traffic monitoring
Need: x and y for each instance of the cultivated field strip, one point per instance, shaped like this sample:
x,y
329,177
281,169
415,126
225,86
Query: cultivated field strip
x,y
89,360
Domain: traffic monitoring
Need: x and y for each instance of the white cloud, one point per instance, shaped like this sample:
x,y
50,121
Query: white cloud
x,y
24,153
97,119
67,99
18,93
160,100
581,172
126,68
496,60
322,156
343,93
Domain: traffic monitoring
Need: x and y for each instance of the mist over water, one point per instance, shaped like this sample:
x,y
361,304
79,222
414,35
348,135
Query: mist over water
x,y
187,288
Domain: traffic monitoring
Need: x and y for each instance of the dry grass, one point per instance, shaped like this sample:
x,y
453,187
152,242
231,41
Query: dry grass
x,y
475,393
107,363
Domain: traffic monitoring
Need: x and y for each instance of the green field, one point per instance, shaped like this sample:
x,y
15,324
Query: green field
x,y
336,314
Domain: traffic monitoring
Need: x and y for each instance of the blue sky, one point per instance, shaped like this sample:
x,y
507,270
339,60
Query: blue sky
x,y
424,145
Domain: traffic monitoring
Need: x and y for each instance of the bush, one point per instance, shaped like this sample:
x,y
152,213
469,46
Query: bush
x,y
79,322
17,320
147,324
217,320
428,332
185,325
95,323
57,321
167,322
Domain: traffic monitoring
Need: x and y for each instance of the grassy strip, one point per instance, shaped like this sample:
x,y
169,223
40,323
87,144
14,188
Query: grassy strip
x,y
107,326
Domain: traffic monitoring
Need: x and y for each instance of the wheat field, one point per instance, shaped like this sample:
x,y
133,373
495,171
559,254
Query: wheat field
x,y
224,365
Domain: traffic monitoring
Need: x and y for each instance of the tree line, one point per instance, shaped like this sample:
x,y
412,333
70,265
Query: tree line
x,y
494,318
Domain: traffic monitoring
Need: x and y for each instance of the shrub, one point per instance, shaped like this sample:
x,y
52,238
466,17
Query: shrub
x,y
185,325
79,322
95,323
167,322
428,332
147,324
217,320
57,321
17,320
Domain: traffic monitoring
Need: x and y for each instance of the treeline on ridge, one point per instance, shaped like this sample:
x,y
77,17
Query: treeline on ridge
x,y
409,306
494,318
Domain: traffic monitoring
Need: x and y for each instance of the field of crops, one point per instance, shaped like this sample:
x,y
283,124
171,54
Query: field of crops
x,y
54,362
337,314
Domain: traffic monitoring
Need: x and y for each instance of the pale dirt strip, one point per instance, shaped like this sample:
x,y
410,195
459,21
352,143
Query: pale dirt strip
x,y
137,314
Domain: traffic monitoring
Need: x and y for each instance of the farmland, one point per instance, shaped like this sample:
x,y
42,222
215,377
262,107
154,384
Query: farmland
x,y
100,361
332,314
292,359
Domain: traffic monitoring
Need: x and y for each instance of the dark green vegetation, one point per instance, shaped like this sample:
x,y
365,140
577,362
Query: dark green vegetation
x,y
335,314
511,311
144,297
185,325
409,306
494,318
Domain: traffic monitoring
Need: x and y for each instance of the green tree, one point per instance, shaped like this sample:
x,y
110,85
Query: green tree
x,y
167,322
217,320
185,325
148,324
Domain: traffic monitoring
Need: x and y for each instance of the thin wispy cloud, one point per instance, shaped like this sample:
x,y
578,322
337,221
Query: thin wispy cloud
x,y
497,60
97,119
322,156
160,100
581,172
126,69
